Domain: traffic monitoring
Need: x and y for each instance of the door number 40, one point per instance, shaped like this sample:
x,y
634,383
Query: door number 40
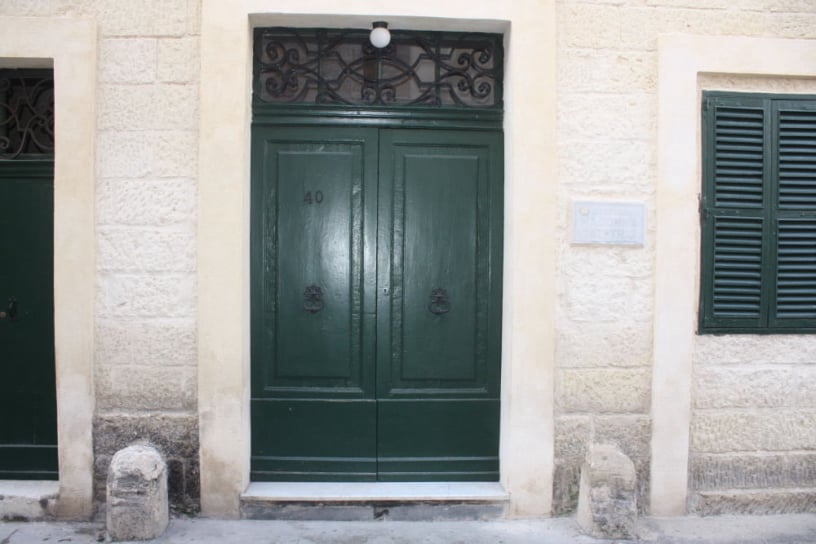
x,y
313,198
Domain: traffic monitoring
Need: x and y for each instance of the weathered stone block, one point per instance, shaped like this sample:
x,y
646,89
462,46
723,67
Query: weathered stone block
x,y
136,154
791,25
607,504
146,295
777,430
753,349
752,471
137,494
741,387
148,107
129,60
146,202
611,70
159,342
175,435
615,261
631,433
572,434
753,502
176,154
178,60
566,478
590,26
147,18
585,344
124,154
595,297
130,249
21,8
615,390
124,387
607,116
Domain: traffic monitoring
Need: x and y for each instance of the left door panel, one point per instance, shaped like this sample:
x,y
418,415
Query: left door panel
x,y
28,408
313,236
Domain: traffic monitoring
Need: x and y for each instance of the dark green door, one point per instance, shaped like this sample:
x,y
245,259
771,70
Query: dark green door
x,y
314,216
376,304
28,425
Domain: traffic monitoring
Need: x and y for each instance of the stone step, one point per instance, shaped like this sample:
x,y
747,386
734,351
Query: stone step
x,y
753,501
28,500
398,501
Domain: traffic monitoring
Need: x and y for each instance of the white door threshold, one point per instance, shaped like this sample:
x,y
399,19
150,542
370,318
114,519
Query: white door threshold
x,y
368,492
27,499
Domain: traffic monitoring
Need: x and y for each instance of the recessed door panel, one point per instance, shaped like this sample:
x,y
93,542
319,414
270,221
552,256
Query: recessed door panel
x,y
438,439
435,267
319,231
28,425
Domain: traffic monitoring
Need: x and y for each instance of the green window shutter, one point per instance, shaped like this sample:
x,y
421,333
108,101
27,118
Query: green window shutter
x,y
736,165
758,214
794,300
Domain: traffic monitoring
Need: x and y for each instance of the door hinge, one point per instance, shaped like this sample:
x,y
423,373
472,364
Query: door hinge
x,y
702,211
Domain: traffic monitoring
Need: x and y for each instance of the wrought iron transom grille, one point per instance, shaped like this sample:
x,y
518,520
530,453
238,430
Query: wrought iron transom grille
x,y
341,67
26,113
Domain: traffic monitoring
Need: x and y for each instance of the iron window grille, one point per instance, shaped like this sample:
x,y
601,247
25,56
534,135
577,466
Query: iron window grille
x,y
26,114
342,68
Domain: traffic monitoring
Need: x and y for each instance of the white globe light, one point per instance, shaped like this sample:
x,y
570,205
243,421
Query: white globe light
x,y
380,36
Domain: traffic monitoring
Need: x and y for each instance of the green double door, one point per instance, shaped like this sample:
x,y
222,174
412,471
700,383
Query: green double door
x,y
376,304
28,408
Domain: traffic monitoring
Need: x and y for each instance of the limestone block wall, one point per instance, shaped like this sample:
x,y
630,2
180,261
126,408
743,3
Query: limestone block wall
x,y
753,435
607,134
753,427
146,136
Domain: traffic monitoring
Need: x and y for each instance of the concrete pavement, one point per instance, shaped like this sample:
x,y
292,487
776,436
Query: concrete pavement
x,y
785,529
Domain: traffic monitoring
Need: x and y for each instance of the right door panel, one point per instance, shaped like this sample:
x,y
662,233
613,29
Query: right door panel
x,y
439,313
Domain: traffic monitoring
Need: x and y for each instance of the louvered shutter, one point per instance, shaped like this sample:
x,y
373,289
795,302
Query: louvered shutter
x,y
794,300
734,251
758,214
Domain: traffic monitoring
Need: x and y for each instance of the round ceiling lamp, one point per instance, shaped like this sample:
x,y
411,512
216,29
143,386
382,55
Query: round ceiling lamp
x,y
380,36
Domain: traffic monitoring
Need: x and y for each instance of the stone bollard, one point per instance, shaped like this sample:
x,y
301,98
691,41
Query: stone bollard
x,y
137,494
607,505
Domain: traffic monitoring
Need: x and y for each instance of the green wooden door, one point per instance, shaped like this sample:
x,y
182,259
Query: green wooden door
x,y
438,329
28,426
376,268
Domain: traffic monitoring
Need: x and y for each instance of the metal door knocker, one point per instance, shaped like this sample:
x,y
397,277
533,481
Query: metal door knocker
x,y
11,310
313,299
440,304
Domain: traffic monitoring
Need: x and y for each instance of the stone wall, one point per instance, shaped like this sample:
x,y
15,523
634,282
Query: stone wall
x,y
753,428
607,133
753,433
147,150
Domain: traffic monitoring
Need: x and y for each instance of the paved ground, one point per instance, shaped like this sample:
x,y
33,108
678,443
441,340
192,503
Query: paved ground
x,y
788,529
